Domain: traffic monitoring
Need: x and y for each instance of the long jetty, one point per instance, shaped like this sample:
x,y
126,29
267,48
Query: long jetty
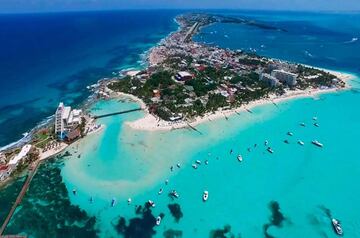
x,y
116,113
19,198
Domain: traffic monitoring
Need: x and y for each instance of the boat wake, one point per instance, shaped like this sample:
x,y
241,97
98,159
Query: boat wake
x,y
354,39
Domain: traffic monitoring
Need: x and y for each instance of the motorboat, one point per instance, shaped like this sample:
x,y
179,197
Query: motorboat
x,y
198,162
151,203
166,182
286,142
266,142
174,194
178,165
316,124
300,142
337,226
74,191
205,196
160,191
113,202
239,157
194,166
158,220
129,200
270,150
290,133
317,143
314,118
302,124
206,162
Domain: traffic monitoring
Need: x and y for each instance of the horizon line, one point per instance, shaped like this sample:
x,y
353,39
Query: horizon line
x,y
176,9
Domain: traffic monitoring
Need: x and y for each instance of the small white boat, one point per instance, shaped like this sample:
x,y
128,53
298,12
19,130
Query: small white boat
x,y
151,203
158,220
337,226
166,182
74,191
270,150
266,142
205,196
194,166
316,124
290,133
302,124
206,162
317,143
160,191
174,194
178,165
240,158
129,200
300,142
314,118
198,162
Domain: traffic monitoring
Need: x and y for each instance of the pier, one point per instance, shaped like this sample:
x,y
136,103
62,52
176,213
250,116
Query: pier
x,y
117,113
32,172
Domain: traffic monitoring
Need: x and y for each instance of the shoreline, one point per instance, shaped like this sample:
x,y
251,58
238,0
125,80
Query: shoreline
x,y
151,123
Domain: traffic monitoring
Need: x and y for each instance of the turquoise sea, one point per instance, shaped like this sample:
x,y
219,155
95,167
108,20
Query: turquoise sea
x,y
290,193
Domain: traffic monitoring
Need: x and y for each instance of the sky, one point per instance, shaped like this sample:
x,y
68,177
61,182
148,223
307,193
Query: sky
x,y
10,6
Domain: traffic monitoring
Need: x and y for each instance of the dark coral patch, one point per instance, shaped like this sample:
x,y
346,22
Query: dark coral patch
x,y
139,227
222,233
173,233
276,218
175,211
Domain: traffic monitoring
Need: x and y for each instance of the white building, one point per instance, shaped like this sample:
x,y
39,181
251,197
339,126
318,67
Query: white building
x,y
23,153
284,76
271,80
183,76
66,119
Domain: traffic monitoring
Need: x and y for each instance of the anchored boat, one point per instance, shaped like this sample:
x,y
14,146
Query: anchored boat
x,y
317,143
158,220
337,226
205,196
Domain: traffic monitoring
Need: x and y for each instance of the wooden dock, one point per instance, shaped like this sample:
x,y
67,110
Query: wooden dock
x,y
32,171
117,113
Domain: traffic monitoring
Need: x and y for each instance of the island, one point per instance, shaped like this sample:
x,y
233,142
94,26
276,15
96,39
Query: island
x,y
184,83
188,82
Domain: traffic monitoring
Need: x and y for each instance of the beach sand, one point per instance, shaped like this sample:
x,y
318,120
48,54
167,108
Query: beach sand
x,y
151,123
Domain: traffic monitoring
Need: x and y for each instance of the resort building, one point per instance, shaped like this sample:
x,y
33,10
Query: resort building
x,y
271,80
285,77
183,76
22,154
66,120
5,171
2,158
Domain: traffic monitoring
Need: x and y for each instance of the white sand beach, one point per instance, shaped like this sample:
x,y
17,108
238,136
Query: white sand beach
x,y
151,123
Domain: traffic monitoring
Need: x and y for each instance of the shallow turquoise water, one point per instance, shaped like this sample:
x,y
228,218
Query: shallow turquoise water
x,y
305,181
302,179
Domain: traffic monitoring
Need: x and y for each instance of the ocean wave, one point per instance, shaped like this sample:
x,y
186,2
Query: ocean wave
x,y
27,135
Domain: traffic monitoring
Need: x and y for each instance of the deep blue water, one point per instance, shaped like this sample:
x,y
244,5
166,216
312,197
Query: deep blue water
x,y
45,58
330,40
